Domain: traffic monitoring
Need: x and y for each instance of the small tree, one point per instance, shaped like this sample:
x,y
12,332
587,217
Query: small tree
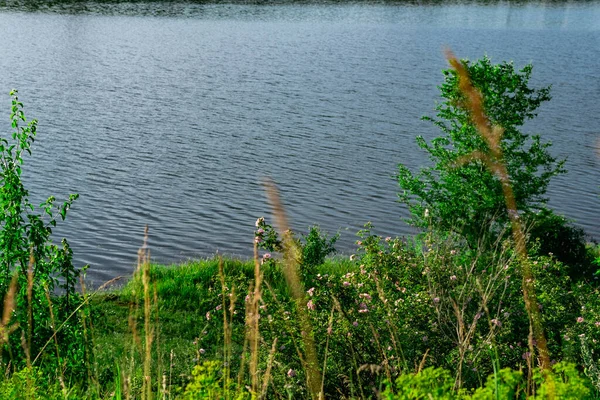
x,y
466,197
27,252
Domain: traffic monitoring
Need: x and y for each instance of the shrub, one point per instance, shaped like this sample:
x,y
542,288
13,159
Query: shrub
x,y
207,383
27,251
553,234
467,197
31,384
314,246
431,383
437,383
568,384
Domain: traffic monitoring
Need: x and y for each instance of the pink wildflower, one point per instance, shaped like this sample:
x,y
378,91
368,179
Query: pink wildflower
x,y
579,320
310,305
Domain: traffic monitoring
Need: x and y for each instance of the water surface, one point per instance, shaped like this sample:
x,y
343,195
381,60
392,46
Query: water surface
x,y
171,114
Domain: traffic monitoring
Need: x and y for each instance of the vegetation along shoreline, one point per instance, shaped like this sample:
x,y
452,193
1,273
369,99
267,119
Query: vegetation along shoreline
x,y
496,298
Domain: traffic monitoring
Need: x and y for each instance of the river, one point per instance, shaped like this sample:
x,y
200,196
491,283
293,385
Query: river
x,y
171,114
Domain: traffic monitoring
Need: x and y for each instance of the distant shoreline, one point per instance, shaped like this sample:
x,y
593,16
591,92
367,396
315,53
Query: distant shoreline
x,y
50,4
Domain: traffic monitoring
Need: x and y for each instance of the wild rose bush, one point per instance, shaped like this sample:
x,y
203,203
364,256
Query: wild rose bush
x,y
313,246
398,307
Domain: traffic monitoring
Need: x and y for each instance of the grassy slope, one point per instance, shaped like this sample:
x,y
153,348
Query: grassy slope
x,y
185,293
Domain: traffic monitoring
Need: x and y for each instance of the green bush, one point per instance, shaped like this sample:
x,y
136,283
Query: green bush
x,y
431,383
32,384
207,383
437,383
567,384
467,197
314,247
27,251
553,234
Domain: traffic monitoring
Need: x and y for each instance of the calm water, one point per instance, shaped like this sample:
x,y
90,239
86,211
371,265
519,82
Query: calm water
x,y
170,115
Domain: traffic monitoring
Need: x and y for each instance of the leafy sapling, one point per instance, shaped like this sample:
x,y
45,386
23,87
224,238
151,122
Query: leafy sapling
x,y
468,198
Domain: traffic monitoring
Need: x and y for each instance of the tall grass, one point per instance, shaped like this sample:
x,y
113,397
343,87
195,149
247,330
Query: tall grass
x,y
292,277
494,160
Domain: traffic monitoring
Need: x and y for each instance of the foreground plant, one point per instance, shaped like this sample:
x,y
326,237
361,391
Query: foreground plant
x,y
437,383
26,249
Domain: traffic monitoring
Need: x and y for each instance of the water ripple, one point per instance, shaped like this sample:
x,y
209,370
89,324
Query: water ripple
x,y
173,121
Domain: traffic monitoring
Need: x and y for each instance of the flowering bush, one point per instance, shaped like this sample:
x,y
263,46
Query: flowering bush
x,y
402,306
314,246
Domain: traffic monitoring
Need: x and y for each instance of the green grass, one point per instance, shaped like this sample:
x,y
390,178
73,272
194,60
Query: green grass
x,y
185,293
